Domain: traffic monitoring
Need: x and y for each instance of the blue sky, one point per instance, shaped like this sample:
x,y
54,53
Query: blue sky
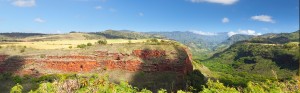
x,y
202,16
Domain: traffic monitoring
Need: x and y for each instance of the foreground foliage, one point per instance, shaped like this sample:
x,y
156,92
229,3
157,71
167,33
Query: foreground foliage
x,y
73,83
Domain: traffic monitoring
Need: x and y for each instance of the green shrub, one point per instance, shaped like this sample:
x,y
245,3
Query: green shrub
x,y
81,46
16,89
129,42
17,79
22,50
46,88
70,47
5,76
42,55
102,42
89,44
217,87
162,91
153,40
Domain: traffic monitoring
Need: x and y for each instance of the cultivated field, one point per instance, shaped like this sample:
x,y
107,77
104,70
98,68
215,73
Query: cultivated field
x,y
64,44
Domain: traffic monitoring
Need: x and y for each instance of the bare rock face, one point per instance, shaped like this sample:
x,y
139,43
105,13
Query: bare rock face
x,y
139,60
148,54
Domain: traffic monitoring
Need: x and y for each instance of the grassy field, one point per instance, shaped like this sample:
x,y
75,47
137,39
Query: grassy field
x,y
64,44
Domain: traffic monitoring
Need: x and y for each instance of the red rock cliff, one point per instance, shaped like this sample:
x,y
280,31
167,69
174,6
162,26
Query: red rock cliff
x,y
138,60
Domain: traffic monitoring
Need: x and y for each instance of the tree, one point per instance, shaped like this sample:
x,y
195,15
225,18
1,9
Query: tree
x,y
89,44
102,42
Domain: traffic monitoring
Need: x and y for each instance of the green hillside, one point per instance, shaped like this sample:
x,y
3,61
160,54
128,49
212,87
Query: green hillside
x,y
125,34
272,58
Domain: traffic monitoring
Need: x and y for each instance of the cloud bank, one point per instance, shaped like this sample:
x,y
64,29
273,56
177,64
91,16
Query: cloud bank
x,y
244,32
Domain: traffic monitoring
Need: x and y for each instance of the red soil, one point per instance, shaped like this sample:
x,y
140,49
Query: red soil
x,y
105,60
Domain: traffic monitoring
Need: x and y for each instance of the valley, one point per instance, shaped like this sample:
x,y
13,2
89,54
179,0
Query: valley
x,y
149,46
148,63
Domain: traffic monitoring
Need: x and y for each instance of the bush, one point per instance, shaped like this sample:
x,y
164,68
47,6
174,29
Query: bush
x,y
42,55
17,79
217,87
153,40
102,42
89,44
70,47
16,89
22,50
81,46
129,42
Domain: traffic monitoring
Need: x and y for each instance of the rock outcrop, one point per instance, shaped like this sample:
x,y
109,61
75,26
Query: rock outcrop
x,y
139,60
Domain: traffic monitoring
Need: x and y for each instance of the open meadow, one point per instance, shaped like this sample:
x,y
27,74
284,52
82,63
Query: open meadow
x,y
65,44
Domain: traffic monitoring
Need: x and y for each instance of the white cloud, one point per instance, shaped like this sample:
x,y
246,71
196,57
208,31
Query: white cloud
x,y
263,18
224,2
39,20
203,33
225,20
141,14
23,3
98,7
231,33
244,32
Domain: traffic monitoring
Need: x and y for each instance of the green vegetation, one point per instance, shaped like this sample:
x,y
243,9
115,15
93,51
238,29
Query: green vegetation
x,y
22,50
263,64
125,34
102,42
16,89
89,44
58,83
252,61
82,46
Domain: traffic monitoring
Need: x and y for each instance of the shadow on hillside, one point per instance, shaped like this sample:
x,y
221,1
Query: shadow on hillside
x,y
164,75
11,65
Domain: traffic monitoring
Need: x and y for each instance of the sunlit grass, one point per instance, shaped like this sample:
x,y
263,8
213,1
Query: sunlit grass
x,y
65,44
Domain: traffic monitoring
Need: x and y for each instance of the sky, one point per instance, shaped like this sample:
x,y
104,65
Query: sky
x,y
206,17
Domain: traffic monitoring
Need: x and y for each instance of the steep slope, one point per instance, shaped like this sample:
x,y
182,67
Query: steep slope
x,y
236,38
273,57
231,40
277,38
144,65
202,46
201,41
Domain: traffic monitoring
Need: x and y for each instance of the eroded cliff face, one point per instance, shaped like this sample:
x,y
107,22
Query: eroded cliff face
x,y
145,60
